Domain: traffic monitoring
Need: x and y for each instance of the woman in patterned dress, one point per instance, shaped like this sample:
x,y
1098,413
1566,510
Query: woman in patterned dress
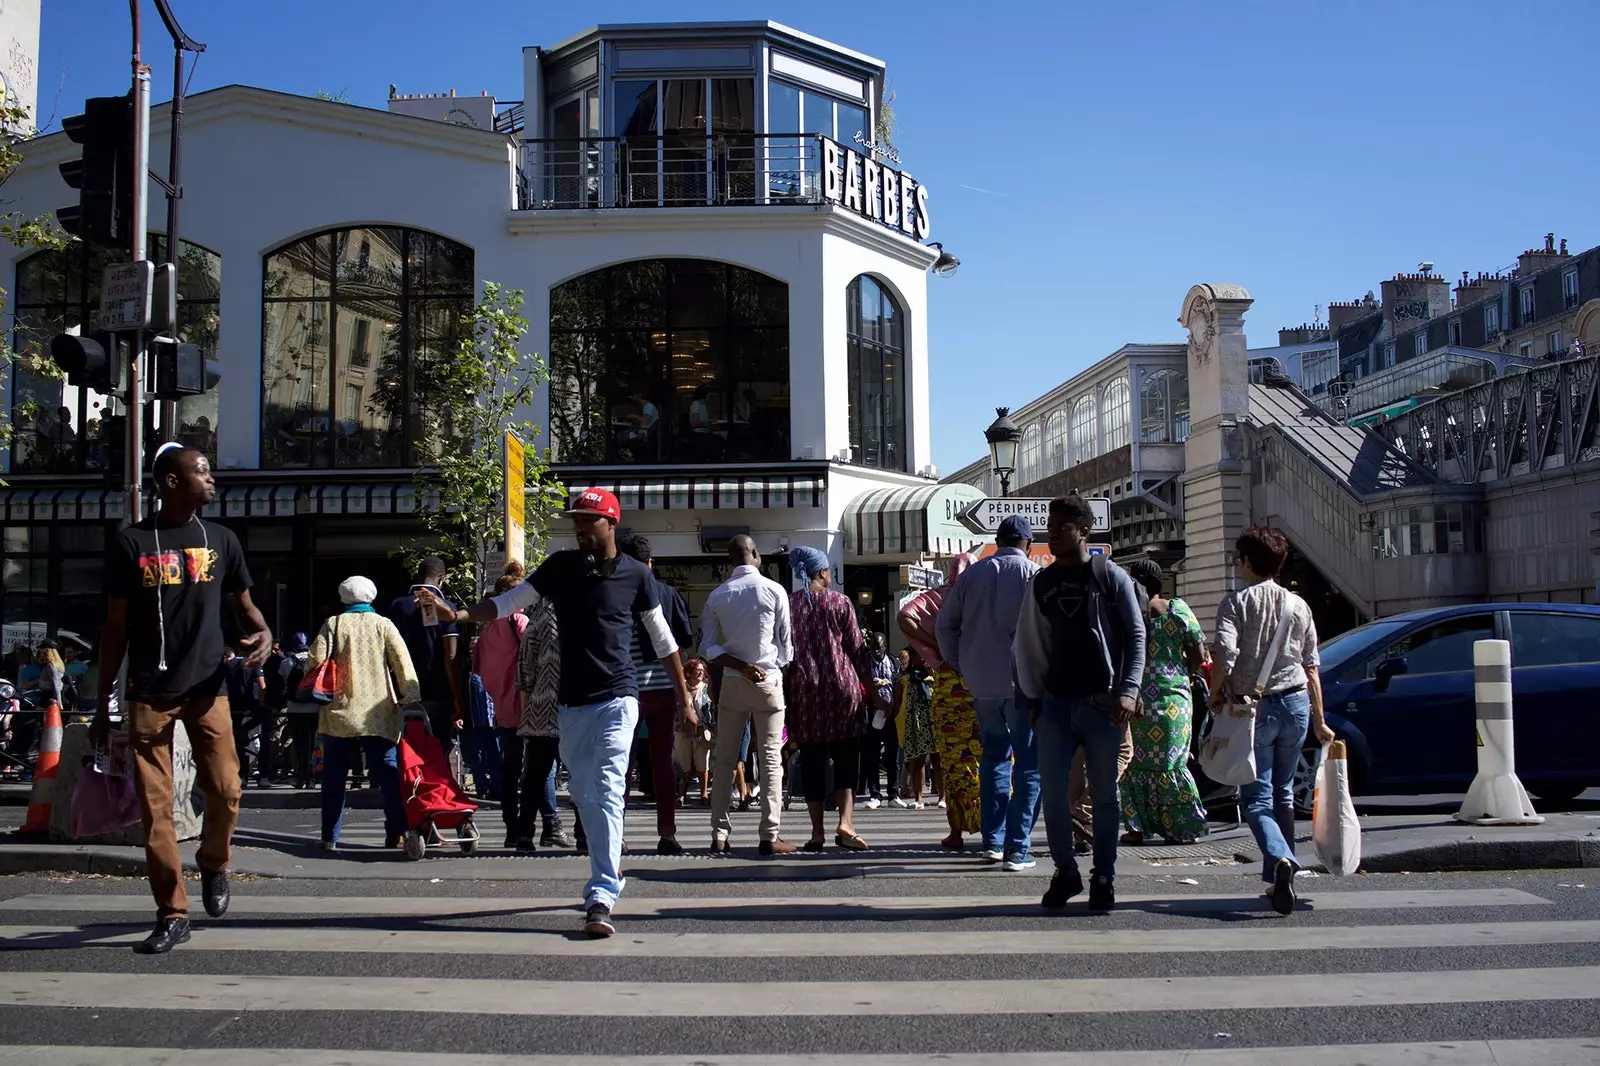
x,y
958,743
826,694
1158,792
915,722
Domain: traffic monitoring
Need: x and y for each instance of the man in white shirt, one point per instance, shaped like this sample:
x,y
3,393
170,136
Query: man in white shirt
x,y
744,628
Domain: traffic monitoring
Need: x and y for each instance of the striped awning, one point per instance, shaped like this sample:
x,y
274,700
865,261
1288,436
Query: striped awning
x,y
260,500
708,493
61,505
910,521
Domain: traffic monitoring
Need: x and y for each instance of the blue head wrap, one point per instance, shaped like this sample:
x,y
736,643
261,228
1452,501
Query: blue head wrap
x,y
807,563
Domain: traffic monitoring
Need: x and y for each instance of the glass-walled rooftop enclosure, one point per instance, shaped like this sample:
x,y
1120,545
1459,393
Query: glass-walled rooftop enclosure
x,y
687,116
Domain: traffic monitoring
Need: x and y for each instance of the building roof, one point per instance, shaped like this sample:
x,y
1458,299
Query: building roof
x,y
1362,460
707,29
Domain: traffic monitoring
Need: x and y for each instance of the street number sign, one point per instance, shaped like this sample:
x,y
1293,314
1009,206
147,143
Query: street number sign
x,y
125,290
985,515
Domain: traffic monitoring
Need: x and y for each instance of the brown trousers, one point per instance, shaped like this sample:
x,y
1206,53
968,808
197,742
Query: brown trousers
x,y
210,729
1078,796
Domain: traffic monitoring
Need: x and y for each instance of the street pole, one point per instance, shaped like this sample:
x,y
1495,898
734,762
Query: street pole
x,y
134,508
181,43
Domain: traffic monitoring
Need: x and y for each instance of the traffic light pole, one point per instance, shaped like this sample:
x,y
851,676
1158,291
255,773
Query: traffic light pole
x,y
181,43
134,485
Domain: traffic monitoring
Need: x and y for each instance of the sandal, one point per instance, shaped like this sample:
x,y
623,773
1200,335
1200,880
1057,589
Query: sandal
x,y
849,841
812,845
953,842
1133,837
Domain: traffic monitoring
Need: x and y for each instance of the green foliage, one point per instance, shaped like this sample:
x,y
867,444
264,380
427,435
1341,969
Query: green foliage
x,y
16,130
884,134
340,97
475,397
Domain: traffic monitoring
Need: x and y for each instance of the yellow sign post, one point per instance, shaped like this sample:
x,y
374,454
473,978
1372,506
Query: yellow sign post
x,y
516,492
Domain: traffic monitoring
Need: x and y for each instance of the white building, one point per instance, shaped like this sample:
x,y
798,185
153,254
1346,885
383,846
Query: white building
x,y
727,278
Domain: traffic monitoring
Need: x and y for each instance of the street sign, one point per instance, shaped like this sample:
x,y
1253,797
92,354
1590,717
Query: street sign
x,y
516,489
920,577
125,296
985,515
1100,549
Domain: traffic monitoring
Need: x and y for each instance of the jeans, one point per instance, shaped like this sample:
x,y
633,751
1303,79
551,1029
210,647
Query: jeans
x,y
1008,796
382,763
527,783
1268,801
595,741
1064,726
482,748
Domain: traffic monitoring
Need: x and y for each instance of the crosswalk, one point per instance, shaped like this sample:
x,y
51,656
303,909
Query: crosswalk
x,y
932,959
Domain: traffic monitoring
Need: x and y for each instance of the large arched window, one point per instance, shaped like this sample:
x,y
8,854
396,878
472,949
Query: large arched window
x,y
61,428
1055,443
355,324
1085,441
1114,415
669,360
1164,407
876,332
1028,462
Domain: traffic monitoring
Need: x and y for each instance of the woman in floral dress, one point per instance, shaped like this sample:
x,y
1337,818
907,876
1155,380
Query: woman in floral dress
x,y
1159,795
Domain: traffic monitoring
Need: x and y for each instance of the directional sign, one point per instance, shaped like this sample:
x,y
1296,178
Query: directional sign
x,y
985,515
125,296
920,577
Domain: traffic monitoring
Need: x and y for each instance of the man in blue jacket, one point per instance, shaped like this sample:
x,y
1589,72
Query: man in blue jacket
x,y
1080,649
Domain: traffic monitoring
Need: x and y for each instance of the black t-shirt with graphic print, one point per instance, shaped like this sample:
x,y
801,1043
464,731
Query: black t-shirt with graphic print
x,y
176,590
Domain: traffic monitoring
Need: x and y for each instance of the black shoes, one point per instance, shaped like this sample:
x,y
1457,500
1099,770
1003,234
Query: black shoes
x,y
1282,894
525,846
168,934
556,837
214,887
1102,896
669,846
596,921
1063,886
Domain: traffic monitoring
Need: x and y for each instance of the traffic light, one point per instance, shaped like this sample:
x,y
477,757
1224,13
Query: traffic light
x,y
104,175
183,370
89,362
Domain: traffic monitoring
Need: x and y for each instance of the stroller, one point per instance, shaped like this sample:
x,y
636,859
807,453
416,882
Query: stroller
x,y
434,801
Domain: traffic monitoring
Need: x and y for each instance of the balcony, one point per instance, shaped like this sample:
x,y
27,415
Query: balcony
x,y
743,169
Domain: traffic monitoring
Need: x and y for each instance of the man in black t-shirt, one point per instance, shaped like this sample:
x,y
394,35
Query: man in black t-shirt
x,y
166,577
598,595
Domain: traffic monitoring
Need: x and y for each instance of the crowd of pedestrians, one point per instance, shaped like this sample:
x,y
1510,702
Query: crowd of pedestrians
x,y
1019,683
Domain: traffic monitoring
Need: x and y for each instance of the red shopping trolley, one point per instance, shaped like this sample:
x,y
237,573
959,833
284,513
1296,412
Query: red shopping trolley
x,y
434,801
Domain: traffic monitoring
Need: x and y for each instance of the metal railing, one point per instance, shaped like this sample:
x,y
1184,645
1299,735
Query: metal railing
x,y
1528,420
670,171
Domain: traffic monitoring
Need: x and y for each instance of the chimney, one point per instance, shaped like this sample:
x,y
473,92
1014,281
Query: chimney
x,y
1301,334
1473,289
1341,314
1536,259
1412,299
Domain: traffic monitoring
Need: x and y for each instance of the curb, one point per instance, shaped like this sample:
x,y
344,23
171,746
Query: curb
x,y
56,860
1488,855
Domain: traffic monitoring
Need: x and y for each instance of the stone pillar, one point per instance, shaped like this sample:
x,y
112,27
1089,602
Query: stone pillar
x,y
1216,479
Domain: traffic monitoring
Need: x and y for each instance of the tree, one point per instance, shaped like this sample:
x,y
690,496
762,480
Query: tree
x,y
475,395
16,129
884,134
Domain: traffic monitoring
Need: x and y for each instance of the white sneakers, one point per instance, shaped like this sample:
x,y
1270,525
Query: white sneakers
x,y
991,854
1017,865
873,803
903,804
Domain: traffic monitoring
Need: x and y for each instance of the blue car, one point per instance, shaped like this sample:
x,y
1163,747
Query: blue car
x,y
1399,692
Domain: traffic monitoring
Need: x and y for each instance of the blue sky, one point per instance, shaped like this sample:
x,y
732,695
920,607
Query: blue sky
x,y
1123,151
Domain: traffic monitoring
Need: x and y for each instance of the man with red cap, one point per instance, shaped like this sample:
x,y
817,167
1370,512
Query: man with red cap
x,y
599,595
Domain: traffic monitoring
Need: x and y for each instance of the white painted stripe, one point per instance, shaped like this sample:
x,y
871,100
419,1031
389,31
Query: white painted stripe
x,y
610,999
1288,937
1496,692
822,908
1580,1052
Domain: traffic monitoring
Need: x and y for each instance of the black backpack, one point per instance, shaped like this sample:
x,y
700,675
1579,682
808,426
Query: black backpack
x,y
297,675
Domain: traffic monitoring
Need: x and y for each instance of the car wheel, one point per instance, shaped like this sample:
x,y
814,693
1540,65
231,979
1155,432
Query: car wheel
x,y
1305,779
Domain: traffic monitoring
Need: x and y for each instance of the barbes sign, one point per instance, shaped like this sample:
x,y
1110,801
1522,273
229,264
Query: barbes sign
x,y
874,190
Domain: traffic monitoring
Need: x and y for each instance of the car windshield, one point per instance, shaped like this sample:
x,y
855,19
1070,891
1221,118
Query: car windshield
x,y
1337,651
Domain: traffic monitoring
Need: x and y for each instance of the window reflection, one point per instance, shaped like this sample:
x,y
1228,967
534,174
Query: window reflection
x,y
875,334
676,360
356,326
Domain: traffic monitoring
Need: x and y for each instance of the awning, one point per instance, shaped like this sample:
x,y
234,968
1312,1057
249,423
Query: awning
x,y
910,522
708,493
380,500
60,505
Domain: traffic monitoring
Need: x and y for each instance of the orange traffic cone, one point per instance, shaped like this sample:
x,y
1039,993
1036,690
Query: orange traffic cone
x,y
44,772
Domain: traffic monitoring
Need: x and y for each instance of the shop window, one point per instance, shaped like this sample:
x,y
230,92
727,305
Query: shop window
x,y
1114,414
669,360
51,585
61,428
875,325
357,328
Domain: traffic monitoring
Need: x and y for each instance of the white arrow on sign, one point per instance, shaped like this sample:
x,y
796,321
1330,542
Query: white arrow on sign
x,y
985,515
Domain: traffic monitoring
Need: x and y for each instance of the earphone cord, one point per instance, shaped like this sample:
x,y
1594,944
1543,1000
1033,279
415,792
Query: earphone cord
x,y
161,586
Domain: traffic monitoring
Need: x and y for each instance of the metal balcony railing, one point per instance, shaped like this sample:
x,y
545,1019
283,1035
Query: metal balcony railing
x,y
593,173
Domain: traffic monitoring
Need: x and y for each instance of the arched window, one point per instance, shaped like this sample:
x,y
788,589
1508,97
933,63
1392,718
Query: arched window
x,y
669,360
1085,441
1164,407
1028,459
62,428
1114,415
1055,443
875,332
356,325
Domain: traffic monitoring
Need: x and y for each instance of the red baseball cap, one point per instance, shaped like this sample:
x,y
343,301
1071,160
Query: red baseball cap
x,y
597,502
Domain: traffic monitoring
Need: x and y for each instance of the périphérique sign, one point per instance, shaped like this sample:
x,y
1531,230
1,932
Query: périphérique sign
x,y
874,190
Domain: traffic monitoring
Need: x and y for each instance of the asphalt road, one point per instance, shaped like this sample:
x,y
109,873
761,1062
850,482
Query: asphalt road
x,y
929,957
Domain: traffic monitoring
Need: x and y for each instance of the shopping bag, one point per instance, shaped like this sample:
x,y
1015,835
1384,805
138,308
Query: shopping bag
x,y
103,799
1228,743
1335,831
322,684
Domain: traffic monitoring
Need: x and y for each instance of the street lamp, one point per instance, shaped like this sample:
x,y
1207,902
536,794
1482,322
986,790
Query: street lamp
x,y
1003,436
946,264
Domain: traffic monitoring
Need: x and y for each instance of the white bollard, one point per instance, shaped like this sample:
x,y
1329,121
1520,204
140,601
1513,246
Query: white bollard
x,y
1496,796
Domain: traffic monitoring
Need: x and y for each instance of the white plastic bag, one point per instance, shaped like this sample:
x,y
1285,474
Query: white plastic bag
x,y
1335,832
1228,746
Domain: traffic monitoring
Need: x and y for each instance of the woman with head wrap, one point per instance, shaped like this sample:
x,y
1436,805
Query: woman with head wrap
x,y
957,741
373,667
825,693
